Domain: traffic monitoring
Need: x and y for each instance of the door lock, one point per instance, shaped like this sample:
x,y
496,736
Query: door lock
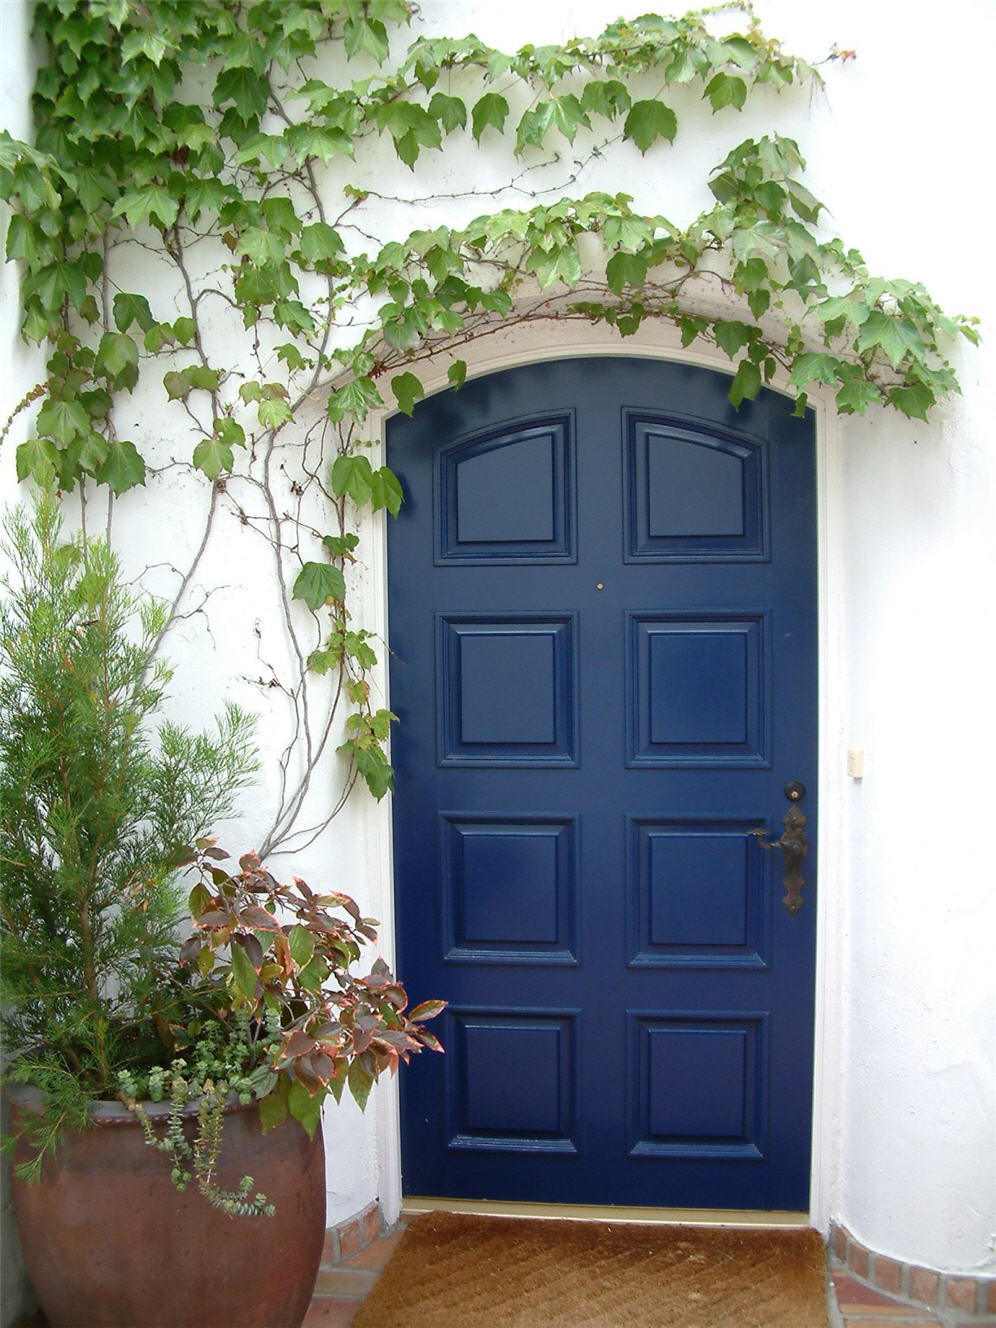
x,y
793,844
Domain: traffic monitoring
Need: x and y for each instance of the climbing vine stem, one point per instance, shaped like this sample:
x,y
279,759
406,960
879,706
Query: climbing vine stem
x,y
228,155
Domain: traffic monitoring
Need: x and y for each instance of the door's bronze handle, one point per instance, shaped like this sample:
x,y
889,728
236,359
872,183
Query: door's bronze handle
x,y
793,844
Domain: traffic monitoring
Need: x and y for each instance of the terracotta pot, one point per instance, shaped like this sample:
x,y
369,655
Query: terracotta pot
x,y
109,1243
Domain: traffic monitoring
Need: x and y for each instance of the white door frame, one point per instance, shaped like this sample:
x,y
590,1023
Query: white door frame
x,y
514,345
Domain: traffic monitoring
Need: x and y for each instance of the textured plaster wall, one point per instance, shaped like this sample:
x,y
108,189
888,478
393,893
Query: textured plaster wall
x,y
19,369
906,1124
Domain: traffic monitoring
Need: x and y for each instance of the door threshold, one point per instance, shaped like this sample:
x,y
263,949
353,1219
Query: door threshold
x,y
412,1205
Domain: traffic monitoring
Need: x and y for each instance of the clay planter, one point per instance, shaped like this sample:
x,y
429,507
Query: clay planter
x,y
109,1242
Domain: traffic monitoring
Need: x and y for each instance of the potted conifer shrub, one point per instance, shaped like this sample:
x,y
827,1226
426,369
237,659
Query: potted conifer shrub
x,y
167,1091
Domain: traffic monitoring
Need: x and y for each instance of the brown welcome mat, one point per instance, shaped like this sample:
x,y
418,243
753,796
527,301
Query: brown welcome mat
x,y
453,1270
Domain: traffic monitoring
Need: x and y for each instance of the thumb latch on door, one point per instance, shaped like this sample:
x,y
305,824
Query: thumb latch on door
x,y
793,844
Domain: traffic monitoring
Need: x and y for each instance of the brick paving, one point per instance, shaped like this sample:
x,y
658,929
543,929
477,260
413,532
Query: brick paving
x,y
861,1305
873,1291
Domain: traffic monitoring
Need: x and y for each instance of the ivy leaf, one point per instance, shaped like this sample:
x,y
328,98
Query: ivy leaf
x,y
37,459
731,336
491,109
117,359
23,239
746,383
812,365
407,389
274,412
341,546
294,315
856,395
318,141
411,127
558,264
92,452
374,768
279,215
648,121
212,456
751,274
247,90
51,284
449,111
123,468
230,432
726,90
893,335
568,115
366,34
291,356
144,41
320,242
623,231
177,385
691,328
203,377
152,204
605,97
533,126
914,399
457,373
352,475
842,307
205,195
362,652
318,584
261,245
356,400
272,147
625,270
64,420
386,491
130,309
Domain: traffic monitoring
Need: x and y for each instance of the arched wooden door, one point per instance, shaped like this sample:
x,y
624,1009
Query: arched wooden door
x,y
603,631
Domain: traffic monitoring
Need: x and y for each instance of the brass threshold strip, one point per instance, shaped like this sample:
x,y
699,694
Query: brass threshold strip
x,y
412,1205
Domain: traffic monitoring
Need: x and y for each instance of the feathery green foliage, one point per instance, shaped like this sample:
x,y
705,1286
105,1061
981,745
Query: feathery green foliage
x,y
97,812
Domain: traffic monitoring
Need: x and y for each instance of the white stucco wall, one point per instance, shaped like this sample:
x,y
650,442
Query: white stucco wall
x,y
905,1130
20,368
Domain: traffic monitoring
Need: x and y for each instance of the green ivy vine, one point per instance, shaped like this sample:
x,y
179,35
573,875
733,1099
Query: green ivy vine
x,y
221,141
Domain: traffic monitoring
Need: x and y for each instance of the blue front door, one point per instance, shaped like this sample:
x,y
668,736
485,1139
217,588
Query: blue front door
x,y
603,656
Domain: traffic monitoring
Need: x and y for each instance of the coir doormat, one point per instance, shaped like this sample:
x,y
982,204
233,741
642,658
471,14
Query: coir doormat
x,y
453,1270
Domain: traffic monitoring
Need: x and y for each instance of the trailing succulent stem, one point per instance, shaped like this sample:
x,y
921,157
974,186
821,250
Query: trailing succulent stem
x,y
206,1086
235,146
